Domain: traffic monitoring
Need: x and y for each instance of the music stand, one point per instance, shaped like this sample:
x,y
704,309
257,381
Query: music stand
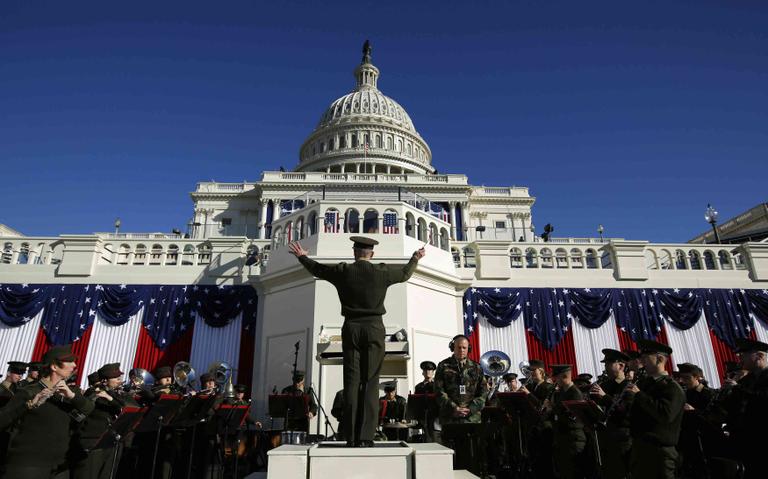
x,y
590,414
422,407
159,415
465,433
228,417
125,423
195,411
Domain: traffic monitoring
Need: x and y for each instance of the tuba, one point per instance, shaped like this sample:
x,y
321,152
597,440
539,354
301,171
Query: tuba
x,y
222,374
184,375
525,368
139,379
495,364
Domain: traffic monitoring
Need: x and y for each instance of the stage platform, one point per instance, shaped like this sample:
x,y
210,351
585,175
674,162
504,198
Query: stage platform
x,y
332,460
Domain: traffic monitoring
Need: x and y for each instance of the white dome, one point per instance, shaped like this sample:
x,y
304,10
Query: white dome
x,y
365,116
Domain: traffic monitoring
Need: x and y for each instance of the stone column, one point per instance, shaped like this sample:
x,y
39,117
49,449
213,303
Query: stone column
x,y
263,218
452,209
464,222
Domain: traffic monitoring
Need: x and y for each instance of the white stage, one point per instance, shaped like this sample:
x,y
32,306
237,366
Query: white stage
x,y
331,459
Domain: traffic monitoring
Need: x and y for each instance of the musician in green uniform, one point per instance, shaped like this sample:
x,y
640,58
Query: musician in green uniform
x,y
656,415
748,407
12,381
427,386
362,287
539,388
44,414
298,419
614,440
569,439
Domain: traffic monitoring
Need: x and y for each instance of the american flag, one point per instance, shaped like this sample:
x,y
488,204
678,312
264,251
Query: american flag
x,y
438,211
390,223
332,222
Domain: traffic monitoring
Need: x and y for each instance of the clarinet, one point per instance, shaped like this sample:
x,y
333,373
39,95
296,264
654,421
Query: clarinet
x,y
617,400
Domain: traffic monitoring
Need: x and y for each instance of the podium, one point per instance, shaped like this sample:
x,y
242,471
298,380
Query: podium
x,y
423,408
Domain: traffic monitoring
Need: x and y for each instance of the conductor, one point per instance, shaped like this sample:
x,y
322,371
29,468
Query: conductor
x,y
362,287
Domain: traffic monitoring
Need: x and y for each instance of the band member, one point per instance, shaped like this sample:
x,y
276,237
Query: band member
x,y
207,384
697,394
539,389
748,411
656,415
734,371
92,463
460,385
362,287
239,399
614,440
395,404
583,381
427,386
163,380
43,412
633,367
511,382
13,375
337,411
569,439
298,419
33,373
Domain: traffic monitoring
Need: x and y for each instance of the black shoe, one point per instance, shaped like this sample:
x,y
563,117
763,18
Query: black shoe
x,y
351,444
365,444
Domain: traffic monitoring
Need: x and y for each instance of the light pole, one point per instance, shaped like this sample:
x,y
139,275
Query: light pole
x,y
600,230
117,226
711,216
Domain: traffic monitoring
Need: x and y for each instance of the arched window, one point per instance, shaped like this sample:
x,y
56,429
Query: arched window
x,y
680,259
444,239
408,149
122,254
665,260
331,221
591,259
204,253
410,225
140,254
322,146
651,261
342,141
422,230
371,221
330,144
433,238
389,222
23,254
311,223
709,260
354,140
399,145
351,221
531,258
577,258
378,141
695,258
515,258
389,142
188,256
738,260
561,258
546,258
172,256
606,259
725,259
156,255
299,233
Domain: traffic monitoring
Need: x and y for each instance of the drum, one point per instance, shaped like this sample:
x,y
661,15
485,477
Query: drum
x,y
293,437
415,434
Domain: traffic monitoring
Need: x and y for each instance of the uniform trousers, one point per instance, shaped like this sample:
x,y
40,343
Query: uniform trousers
x,y
652,461
362,341
96,465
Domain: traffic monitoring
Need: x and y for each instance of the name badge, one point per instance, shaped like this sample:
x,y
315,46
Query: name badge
x,y
462,389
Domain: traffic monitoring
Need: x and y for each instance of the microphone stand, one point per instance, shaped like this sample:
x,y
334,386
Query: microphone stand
x,y
288,410
322,410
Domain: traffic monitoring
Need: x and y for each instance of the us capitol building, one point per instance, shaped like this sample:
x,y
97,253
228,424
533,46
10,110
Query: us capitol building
x,y
365,169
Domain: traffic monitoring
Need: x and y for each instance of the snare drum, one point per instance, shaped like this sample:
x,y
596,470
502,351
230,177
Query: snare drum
x,y
293,437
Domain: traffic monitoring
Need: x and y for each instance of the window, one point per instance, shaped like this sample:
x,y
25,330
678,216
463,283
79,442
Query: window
x,y
226,221
330,144
354,140
500,225
343,142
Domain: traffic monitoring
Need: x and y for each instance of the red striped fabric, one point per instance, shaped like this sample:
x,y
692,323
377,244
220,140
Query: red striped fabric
x,y
79,348
563,353
150,357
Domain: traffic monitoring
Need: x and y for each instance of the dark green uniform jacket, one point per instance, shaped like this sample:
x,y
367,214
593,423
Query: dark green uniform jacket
x,y
449,378
297,420
395,408
362,285
42,434
425,387
657,411
99,420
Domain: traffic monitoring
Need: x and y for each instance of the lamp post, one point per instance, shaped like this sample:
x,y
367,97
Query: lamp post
x,y
600,230
711,216
117,226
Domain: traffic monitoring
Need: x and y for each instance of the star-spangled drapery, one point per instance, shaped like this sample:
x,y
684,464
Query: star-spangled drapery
x,y
639,312
69,310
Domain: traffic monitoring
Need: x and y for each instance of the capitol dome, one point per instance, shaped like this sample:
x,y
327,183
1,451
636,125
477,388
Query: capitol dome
x,y
365,131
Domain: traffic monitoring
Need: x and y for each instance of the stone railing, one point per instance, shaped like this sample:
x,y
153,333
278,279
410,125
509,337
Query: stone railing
x,y
215,187
387,178
514,191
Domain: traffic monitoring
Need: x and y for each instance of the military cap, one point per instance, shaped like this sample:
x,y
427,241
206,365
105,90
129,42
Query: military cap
x,y
612,355
536,363
361,242
205,377
744,345
298,376
688,368
59,353
428,366
586,377
35,366
509,377
110,371
241,388
732,366
631,354
93,378
648,346
163,372
389,387
17,367
560,369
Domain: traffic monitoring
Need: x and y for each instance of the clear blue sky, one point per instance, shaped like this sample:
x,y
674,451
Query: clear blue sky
x,y
611,112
